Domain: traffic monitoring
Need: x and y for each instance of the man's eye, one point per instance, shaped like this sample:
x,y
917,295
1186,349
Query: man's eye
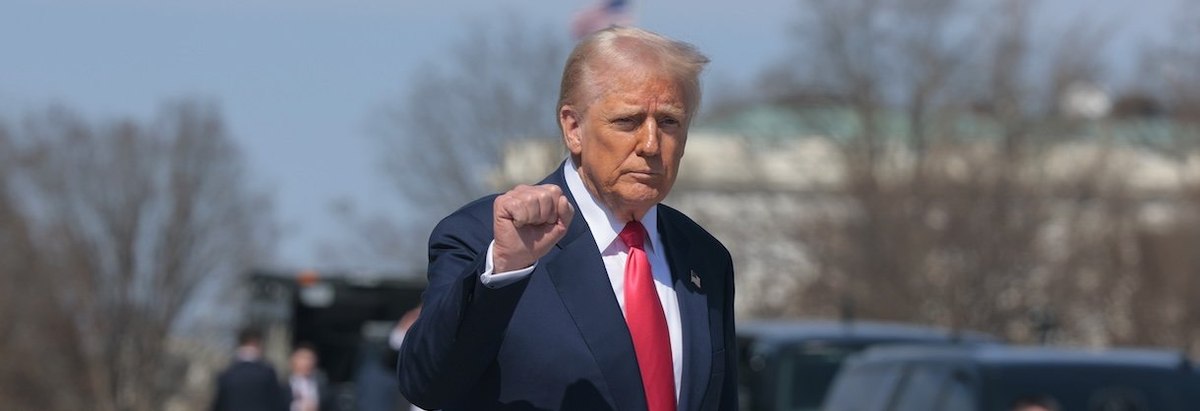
x,y
668,121
625,123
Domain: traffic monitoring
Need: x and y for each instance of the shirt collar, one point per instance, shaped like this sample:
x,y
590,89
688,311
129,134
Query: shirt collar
x,y
604,225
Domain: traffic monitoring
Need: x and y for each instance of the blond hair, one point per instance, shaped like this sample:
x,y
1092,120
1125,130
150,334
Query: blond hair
x,y
629,45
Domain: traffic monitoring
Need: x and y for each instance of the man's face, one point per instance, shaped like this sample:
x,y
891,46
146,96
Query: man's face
x,y
303,361
630,139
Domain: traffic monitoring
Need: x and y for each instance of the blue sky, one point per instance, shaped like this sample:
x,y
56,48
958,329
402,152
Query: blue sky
x,y
297,80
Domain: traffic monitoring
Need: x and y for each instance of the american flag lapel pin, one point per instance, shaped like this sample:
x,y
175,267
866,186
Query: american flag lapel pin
x,y
696,280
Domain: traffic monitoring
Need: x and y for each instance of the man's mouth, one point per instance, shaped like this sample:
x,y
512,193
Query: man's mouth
x,y
642,175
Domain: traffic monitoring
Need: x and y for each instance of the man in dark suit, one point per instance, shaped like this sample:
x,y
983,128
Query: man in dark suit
x,y
249,384
306,385
583,292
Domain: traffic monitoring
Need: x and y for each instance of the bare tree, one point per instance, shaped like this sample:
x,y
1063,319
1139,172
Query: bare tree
x,y
1162,254
945,199
1168,86
18,336
1180,69
443,140
127,221
448,134
972,200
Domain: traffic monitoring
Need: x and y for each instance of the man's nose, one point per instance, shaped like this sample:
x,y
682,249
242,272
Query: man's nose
x,y
650,139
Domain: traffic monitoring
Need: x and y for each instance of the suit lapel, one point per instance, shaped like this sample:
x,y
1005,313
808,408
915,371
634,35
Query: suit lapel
x,y
693,310
577,272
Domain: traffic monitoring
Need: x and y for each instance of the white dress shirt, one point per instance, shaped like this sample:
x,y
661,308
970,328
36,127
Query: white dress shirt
x,y
304,393
605,229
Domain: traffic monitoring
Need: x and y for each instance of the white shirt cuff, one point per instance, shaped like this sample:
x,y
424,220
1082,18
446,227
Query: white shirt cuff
x,y
497,280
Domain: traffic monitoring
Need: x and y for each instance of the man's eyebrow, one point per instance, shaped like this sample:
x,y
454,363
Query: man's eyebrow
x,y
626,109
672,109
634,109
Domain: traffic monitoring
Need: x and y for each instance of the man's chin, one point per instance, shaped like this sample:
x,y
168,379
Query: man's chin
x,y
641,195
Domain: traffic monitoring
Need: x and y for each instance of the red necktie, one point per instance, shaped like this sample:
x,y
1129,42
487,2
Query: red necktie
x,y
647,323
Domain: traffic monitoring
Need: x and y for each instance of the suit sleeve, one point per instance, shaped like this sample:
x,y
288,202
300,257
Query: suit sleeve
x,y
458,334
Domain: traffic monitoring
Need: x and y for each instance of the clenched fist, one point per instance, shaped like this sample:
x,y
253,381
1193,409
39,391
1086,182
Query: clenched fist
x,y
528,220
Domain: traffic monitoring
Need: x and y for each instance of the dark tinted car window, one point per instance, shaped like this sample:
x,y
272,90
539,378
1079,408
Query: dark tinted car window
x,y
1103,389
932,386
863,388
806,374
919,389
1117,399
958,395
750,366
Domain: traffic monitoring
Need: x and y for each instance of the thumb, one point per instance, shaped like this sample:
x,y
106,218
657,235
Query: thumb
x,y
566,213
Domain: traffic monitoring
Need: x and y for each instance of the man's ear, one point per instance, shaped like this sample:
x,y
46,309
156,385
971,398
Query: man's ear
x,y
572,128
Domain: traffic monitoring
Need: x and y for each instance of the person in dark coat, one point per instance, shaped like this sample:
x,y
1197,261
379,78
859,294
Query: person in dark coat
x,y
308,387
249,383
584,292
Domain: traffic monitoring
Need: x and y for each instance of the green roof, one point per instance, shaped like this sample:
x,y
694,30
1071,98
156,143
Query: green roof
x,y
774,123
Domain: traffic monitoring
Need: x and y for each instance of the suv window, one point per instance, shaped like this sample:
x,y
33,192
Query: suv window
x,y
1117,399
806,374
1105,389
920,388
958,395
928,387
861,388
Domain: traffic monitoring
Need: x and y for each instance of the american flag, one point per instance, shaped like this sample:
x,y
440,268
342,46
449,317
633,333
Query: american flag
x,y
601,16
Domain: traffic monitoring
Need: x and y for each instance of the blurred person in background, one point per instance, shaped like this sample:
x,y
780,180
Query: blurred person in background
x,y
375,381
249,383
396,340
627,305
307,385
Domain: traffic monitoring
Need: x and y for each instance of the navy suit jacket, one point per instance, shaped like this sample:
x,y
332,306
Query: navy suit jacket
x,y
249,386
556,340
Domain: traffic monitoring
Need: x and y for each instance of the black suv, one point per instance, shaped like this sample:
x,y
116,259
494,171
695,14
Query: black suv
x,y
995,378
789,365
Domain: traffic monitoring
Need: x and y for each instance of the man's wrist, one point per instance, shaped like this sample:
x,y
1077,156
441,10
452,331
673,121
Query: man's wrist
x,y
494,277
502,264
500,267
